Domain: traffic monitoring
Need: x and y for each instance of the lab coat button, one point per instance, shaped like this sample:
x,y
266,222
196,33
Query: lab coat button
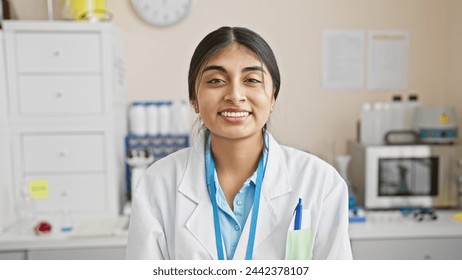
x,y
239,202
237,227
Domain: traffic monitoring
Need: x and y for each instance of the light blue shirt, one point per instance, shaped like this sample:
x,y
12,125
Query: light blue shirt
x,y
232,222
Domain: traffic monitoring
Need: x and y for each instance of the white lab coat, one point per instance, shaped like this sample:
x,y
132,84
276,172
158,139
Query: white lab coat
x,y
172,216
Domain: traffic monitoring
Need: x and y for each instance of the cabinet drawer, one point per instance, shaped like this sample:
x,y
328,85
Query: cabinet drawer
x,y
408,249
13,255
58,52
60,94
111,253
63,152
72,192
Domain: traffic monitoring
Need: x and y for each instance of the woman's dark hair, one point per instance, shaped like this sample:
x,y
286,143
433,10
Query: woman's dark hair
x,y
223,37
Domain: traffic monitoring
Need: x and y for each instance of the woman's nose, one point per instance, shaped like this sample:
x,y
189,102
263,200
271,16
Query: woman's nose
x,y
235,94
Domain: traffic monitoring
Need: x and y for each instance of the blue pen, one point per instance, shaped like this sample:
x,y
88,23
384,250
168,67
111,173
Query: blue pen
x,y
298,215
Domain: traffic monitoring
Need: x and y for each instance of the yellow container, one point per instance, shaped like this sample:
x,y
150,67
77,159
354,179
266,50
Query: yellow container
x,y
85,10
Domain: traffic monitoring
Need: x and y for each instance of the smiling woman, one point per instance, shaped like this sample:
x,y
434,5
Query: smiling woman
x,y
233,194
231,97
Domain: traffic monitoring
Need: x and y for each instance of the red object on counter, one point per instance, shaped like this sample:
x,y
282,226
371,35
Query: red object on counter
x,y
43,228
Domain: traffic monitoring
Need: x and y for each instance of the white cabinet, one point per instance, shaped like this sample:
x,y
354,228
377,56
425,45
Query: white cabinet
x,y
437,248
13,255
66,97
58,51
3,100
96,253
391,236
6,197
115,253
30,247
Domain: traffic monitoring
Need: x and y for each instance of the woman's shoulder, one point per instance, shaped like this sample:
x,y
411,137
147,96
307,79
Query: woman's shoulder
x,y
308,170
174,161
296,159
308,165
299,157
163,174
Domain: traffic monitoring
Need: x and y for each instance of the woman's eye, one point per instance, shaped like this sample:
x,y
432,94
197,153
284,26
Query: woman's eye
x,y
253,80
215,81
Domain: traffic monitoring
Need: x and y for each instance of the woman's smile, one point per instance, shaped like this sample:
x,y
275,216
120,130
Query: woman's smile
x,y
235,114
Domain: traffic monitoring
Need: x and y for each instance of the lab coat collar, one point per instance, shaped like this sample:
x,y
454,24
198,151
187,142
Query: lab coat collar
x,y
275,186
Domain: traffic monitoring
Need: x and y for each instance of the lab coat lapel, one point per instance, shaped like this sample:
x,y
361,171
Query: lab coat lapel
x,y
275,186
200,221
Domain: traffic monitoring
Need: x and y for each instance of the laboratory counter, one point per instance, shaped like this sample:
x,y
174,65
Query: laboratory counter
x,y
385,235
98,239
392,235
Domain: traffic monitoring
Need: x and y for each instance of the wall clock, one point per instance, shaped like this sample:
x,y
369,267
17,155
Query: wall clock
x,y
162,12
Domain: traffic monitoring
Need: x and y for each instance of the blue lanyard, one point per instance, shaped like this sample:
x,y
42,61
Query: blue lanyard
x,y
210,168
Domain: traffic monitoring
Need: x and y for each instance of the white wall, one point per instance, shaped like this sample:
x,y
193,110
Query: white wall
x,y
455,57
306,116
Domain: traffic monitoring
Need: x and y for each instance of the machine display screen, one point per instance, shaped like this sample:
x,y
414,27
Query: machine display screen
x,y
408,176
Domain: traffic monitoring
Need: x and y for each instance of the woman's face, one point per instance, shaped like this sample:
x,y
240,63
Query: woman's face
x,y
234,94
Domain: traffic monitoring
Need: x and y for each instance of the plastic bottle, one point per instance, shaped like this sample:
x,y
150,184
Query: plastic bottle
x,y
164,118
66,223
185,121
412,104
366,123
180,118
386,117
152,115
397,114
379,123
137,119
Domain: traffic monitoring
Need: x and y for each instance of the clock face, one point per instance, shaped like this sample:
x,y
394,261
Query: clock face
x,y
162,12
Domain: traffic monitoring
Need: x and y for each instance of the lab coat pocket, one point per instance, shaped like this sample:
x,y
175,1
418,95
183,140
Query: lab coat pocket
x,y
299,244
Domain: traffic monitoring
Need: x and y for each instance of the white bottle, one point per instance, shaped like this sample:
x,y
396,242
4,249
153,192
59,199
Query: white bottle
x,y
412,104
137,119
66,223
164,118
366,123
180,118
185,121
379,121
152,114
398,114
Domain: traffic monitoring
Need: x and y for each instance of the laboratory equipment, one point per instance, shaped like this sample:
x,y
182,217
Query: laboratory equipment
x,y
436,124
392,177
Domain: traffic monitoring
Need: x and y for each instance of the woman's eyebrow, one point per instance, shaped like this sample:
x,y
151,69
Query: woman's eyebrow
x,y
222,69
214,67
254,68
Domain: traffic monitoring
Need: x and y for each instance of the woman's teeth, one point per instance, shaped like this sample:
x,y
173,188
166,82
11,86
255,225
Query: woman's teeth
x,y
234,114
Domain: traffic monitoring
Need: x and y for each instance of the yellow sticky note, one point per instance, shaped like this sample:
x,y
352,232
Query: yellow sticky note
x,y
38,189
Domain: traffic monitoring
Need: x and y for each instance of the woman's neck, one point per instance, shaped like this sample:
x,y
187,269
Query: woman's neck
x,y
235,161
237,155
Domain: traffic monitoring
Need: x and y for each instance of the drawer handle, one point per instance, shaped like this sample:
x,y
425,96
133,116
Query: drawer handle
x,y
62,154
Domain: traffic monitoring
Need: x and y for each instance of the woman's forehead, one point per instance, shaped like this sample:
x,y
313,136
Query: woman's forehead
x,y
235,54
234,50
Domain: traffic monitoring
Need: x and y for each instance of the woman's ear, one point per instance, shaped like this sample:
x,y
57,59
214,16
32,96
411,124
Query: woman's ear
x,y
195,106
273,102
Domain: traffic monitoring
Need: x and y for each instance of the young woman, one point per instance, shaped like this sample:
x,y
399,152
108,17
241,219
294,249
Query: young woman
x,y
234,193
